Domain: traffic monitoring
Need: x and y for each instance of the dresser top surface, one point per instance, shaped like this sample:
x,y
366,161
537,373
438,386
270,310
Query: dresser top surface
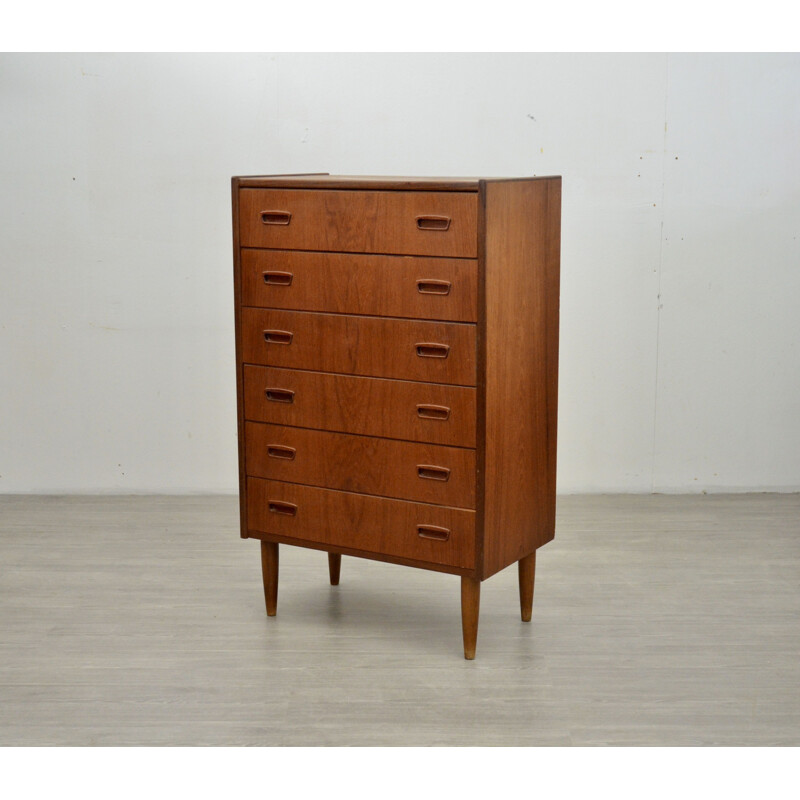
x,y
326,181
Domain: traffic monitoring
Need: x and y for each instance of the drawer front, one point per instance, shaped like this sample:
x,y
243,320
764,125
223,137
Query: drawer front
x,y
440,352
346,283
413,223
419,412
436,534
406,470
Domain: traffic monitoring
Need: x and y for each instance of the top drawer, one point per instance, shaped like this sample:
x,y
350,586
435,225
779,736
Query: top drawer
x,y
413,223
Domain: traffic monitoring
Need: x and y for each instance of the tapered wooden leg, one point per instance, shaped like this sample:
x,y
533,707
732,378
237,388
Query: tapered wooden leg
x,y
470,607
527,571
269,571
334,567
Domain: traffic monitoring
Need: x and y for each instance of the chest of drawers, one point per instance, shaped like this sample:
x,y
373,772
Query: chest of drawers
x,y
397,372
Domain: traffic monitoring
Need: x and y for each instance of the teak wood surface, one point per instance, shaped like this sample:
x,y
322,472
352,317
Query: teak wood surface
x,y
417,287
366,406
518,361
397,351
360,221
365,464
322,180
391,527
378,347
269,572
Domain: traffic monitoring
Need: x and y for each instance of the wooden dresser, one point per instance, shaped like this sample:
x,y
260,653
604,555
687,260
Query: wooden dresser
x,y
397,372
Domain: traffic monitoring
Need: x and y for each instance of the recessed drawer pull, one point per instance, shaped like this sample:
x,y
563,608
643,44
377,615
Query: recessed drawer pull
x,y
279,507
275,278
433,473
433,532
276,217
278,337
281,451
433,412
280,395
432,350
429,222
433,287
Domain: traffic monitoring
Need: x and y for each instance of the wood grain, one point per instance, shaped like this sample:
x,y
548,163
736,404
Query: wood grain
x,y
237,304
552,291
348,283
470,612
237,310
521,368
360,221
269,574
334,567
371,346
391,183
363,522
527,574
365,464
366,406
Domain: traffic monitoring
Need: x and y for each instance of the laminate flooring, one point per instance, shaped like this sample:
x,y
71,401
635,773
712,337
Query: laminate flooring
x,y
657,620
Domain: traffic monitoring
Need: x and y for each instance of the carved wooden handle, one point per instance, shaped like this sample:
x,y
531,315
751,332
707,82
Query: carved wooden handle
x,y
281,451
433,412
433,473
433,287
278,337
430,222
280,395
279,507
275,278
276,217
432,350
433,532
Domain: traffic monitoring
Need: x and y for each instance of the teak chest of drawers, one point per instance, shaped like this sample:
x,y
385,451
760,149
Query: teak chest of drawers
x,y
397,372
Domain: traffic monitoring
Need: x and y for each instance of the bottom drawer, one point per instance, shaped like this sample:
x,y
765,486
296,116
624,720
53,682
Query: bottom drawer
x,y
437,534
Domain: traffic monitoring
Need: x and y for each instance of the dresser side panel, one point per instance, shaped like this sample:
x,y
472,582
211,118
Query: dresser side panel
x,y
521,285
553,293
237,304
480,389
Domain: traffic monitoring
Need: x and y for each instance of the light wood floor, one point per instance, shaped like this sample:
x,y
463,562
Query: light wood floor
x,y
657,621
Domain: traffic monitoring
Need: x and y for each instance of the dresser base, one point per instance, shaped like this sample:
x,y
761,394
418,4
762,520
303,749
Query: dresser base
x,y
470,590
352,551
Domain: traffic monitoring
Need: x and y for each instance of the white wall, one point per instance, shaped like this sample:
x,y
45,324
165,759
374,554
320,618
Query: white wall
x,y
680,329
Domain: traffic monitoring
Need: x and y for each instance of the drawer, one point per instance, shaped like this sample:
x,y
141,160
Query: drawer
x,y
419,412
347,283
436,534
413,223
440,352
408,470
